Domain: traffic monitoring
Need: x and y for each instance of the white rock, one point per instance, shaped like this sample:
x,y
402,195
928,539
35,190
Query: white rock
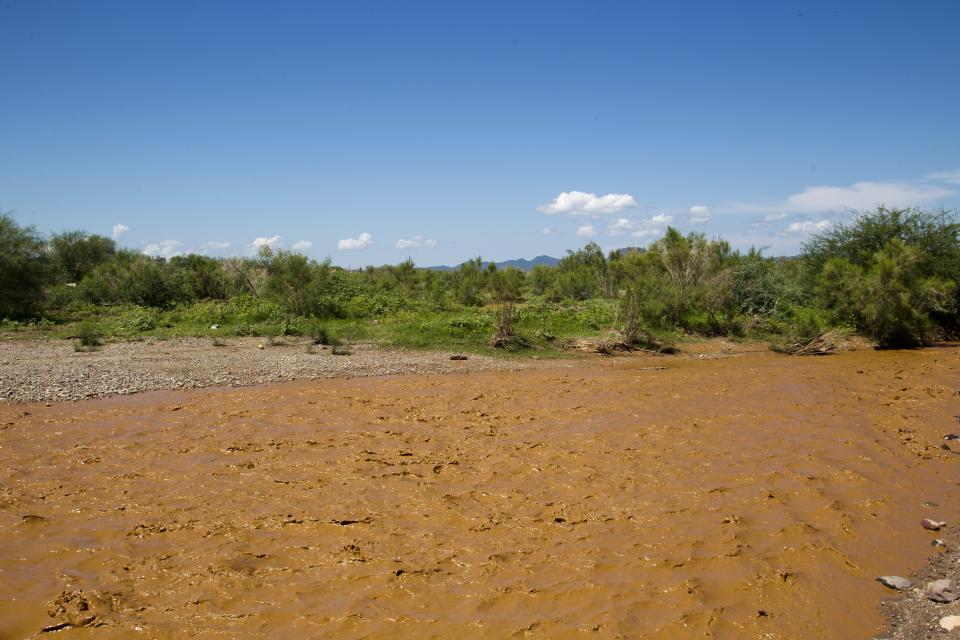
x,y
895,582
950,622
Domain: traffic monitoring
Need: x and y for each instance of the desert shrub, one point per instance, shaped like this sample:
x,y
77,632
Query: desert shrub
x,y
541,279
806,324
897,298
131,278
77,253
505,334
88,334
199,277
891,300
321,333
24,270
753,286
932,263
469,282
595,314
581,275
139,319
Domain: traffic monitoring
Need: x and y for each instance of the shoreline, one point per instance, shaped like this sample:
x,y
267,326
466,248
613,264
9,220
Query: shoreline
x,y
52,371
914,616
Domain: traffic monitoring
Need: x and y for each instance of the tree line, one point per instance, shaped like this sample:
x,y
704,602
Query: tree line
x,y
890,274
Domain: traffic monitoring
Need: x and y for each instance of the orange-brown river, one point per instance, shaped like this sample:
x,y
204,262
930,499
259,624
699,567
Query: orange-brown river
x,y
751,496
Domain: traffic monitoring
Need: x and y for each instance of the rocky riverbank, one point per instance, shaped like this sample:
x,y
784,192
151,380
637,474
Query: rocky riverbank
x,y
51,370
918,614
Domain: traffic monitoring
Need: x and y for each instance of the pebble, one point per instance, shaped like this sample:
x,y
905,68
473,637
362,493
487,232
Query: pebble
x,y
942,591
895,582
932,525
950,622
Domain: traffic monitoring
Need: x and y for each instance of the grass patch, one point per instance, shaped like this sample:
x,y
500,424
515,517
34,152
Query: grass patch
x,y
544,326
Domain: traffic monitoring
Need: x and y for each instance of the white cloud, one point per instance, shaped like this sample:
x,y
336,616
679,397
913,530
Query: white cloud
x,y
661,219
619,227
775,217
586,231
301,245
647,233
119,230
547,231
699,214
863,195
213,244
416,242
648,227
951,177
271,242
582,203
164,249
360,242
809,226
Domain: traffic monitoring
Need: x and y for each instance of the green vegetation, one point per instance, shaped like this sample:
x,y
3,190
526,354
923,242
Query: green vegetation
x,y
890,274
88,336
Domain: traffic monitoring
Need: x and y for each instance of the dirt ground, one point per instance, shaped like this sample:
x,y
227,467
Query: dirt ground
x,y
756,496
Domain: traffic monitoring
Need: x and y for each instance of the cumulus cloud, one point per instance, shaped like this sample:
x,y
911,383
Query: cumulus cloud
x,y
416,242
214,244
360,242
619,227
809,226
661,219
119,230
547,231
652,227
774,217
163,249
301,245
647,227
272,242
586,231
864,195
699,214
583,203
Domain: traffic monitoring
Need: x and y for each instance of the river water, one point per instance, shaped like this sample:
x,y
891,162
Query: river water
x,y
637,497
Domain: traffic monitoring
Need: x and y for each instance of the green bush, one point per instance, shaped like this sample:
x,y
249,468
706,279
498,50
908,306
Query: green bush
x,y
24,270
320,333
88,334
76,253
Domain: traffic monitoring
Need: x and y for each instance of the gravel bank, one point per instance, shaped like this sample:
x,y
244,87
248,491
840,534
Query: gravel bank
x,y
915,616
50,370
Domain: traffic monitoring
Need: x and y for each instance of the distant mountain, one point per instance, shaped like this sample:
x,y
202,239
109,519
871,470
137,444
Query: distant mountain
x,y
519,263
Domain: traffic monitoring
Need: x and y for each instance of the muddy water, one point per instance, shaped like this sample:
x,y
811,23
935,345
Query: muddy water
x,y
755,496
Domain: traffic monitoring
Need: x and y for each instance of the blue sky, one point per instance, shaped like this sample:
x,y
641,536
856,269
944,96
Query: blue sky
x,y
368,132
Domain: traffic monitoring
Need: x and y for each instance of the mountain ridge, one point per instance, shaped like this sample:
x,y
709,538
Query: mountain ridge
x,y
517,263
